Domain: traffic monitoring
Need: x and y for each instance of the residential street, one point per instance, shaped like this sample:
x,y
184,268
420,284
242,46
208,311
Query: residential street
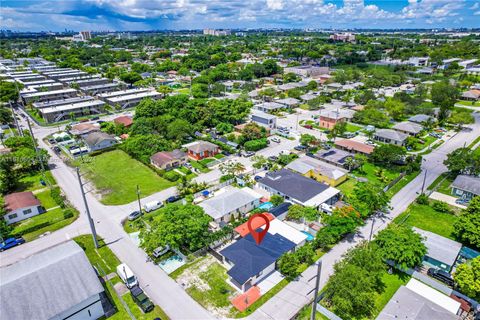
x,y
163,290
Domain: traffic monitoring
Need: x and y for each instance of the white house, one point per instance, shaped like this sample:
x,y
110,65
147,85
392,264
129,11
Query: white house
x,y
20,206
99,140
230,202
57,283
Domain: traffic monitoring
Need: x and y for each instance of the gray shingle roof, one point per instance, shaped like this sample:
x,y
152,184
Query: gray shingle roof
x,y
407,126
293,184
419,118
440,248
94,138
467,183
407,304
391,134
47,283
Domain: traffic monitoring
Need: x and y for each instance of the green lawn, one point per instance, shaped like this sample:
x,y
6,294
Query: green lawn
x,y
402,183
140,223
306,312
219,156
442,183
116,175
106,262
426,218
469,103
370,172
428,141
392,283
46,199
51,221
206,161
353,127
199,166
32,182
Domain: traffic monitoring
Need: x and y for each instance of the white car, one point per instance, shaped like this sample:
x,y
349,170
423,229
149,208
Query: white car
x,y
276,139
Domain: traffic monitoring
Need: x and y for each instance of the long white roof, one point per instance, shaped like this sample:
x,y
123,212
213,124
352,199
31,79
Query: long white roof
x,y
72,106
140,95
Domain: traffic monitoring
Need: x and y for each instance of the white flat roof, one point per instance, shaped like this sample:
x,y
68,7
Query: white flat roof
x,y
90,76
60,71
322,197
49,93
122,92
135,96
72,106
33,83
100,86
286,231
433,295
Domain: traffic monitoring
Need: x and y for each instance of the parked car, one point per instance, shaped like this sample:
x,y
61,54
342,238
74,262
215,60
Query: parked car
x,y
134,215
272,158
95,118
276,139
100,121
349,135
300,148
248,154
308,126
256,178
441,275
127,276
461,201
370,142
152,205
52,141
172,199
10,243
141,299
56,149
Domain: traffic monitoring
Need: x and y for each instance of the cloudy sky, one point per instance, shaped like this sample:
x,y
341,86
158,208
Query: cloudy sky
x,y
56,15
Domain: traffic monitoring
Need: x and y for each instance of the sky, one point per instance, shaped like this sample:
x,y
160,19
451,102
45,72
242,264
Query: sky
x,y
133,15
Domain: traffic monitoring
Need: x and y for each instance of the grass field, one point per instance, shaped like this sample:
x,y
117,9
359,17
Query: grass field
x,y
353,127
106,262
116,176
32,182
426,218
442,183
370,172
392,283
469,103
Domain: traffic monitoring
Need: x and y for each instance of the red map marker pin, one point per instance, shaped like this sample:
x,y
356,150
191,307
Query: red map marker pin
x,y
258,236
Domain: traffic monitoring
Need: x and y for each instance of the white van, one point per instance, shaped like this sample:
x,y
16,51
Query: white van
x,y
127,275
152,205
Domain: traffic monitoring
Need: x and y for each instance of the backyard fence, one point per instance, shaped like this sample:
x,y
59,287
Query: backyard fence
x,y
393,182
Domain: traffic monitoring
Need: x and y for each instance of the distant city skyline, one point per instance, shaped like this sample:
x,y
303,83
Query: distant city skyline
x,y
138,15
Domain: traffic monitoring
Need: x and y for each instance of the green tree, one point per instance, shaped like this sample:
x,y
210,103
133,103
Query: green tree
x,y
9,91
351,290
259,161
387,154
467,226
368,198
164,90
463,160
444,96
130,77
276,200
179,226
5,229
467,278
307,139
8,174
402,245
288,265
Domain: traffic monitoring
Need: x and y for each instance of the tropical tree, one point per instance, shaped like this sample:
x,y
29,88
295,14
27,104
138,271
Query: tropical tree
x,y
401,245
467,278
368,198
467,226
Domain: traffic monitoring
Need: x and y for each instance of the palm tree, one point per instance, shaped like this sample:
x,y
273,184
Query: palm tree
x,y
350,162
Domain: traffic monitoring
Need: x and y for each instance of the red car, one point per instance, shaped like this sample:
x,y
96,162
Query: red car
x,y
308,126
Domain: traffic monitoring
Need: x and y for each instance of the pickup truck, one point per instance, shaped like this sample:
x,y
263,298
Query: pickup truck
x,y
10,243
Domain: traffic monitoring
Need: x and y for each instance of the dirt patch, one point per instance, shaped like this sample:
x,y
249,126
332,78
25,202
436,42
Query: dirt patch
x,y
120,288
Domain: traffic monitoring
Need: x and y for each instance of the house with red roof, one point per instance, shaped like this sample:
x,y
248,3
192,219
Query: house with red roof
x,y
126,121
20,206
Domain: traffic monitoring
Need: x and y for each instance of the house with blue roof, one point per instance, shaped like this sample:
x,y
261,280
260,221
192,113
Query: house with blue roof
x,y
250,263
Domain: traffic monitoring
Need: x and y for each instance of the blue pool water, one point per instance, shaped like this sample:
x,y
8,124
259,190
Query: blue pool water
x,y
310,236
171,264
266,206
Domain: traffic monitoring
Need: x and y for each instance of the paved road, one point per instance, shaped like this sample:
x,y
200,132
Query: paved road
x,y
163,290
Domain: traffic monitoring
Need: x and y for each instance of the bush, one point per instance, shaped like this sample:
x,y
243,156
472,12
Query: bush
x,y
255,145
57,197
68,213
226,177
423,199
276,200
441,207
171,176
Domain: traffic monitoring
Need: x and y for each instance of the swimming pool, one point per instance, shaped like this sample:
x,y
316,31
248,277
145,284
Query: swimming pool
x,y
171,264
310,236
266,206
